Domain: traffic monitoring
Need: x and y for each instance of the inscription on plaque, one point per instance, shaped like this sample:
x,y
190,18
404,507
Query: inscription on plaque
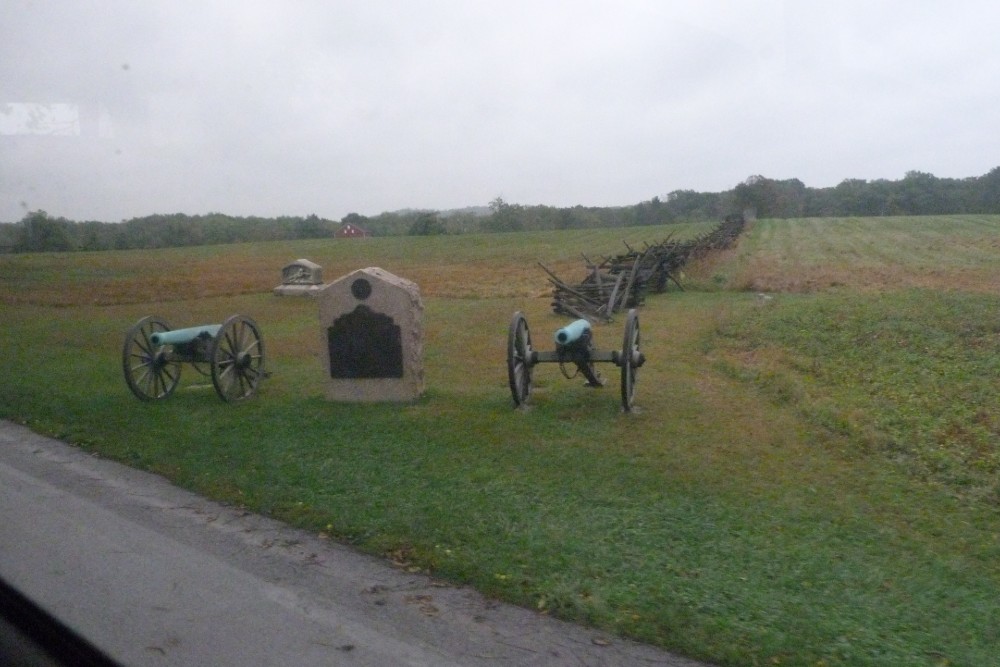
x,y
365,344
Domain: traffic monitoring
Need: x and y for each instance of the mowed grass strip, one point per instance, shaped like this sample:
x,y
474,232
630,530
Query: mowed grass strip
x,y
866,254
722,520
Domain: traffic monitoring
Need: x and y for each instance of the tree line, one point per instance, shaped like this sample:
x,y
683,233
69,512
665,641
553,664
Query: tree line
x,y
918,193
38,231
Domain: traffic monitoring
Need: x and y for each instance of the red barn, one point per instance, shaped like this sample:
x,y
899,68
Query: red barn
x,y
349,230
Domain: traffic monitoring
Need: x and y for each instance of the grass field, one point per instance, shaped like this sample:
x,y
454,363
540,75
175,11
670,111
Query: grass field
x,y
811,477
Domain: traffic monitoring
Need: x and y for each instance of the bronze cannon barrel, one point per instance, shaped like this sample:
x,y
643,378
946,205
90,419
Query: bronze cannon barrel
x,y
180,336
573,332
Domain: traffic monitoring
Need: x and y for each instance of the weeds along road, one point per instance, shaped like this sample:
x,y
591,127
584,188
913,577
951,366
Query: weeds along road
x,y
154,575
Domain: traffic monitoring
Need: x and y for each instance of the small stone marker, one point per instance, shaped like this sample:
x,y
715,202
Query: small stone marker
x,y
371,324
300,278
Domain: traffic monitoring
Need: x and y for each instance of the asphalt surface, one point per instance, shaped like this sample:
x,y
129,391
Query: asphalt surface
x,y
155,575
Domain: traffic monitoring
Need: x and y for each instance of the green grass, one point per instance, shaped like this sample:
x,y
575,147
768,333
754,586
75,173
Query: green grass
x,y
912,375
810,480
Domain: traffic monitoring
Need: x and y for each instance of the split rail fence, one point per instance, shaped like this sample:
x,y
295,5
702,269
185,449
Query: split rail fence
x,y
621,282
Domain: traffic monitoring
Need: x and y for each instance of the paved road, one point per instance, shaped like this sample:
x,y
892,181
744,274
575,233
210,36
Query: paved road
x,y
154,575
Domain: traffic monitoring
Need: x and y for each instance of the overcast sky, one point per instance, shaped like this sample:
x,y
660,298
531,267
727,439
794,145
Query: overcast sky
x,y
116,109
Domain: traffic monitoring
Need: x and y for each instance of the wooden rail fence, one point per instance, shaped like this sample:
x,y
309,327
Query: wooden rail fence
x,y
621,282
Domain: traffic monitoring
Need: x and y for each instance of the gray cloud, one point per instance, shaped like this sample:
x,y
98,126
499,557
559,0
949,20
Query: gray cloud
x,y
274,108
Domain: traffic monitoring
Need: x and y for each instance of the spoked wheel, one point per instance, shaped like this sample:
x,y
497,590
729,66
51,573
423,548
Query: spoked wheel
x,y
519,359
149,372
631,359
203,369
237,359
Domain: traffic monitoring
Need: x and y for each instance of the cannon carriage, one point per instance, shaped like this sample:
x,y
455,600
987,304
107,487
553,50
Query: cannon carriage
x,y
231,353
574,345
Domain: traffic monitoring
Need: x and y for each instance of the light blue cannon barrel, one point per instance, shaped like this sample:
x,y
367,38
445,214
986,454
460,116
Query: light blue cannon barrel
x,y
180,336
572,332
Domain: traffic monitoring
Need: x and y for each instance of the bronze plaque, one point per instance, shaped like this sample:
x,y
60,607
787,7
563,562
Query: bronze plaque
x,y
365,344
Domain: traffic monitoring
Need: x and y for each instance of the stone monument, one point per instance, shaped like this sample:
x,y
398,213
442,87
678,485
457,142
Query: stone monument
x,y
371,323
300,278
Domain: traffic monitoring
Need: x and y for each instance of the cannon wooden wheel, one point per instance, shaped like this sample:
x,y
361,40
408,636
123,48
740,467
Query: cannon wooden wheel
x,y
519,360
631,359
149,371
237,359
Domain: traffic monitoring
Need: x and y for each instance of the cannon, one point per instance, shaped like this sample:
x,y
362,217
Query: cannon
x,y
574,345
232,353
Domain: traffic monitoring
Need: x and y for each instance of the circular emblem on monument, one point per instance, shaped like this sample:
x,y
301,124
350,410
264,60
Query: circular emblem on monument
x,y
361,289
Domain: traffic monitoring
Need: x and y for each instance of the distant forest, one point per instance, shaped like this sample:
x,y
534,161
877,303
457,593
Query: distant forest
x,y
918,193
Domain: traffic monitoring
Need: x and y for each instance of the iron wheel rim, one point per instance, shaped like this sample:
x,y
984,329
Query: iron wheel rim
x,y
149,373
237,359
629,359
519,359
